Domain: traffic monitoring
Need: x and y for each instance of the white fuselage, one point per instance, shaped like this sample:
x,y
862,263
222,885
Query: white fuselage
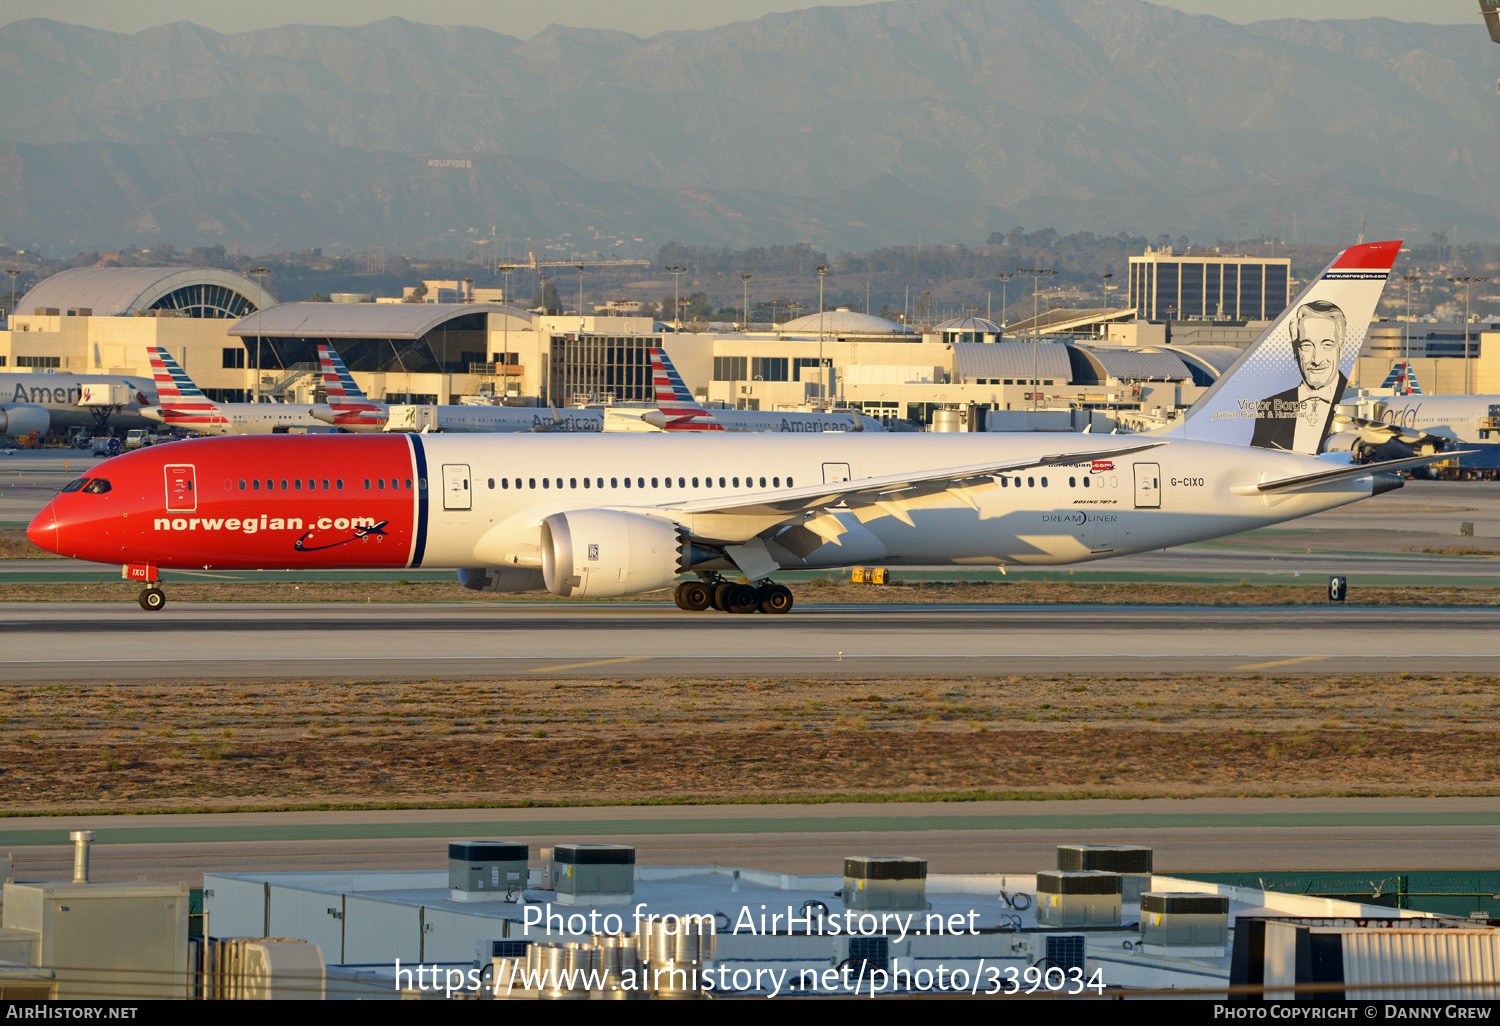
x,y
1464,418
490,419
244,418
1173,494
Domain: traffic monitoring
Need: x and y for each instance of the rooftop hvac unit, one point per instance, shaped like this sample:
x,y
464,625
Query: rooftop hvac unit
x,y
486,870
1132,862
486,951
1173,920
592,874
885,883
1077,898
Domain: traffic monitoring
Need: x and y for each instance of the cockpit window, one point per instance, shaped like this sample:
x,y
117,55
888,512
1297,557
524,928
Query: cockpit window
x,y
74,486
97,486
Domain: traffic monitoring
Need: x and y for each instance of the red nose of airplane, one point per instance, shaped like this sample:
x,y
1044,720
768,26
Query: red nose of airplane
x,y
43,529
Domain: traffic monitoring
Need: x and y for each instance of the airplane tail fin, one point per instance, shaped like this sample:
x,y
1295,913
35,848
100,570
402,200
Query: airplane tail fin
x,y
676,402
1281,392
1402,380
174,389
337,381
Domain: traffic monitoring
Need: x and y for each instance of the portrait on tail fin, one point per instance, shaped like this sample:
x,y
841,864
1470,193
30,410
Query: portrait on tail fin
x,y
1298,419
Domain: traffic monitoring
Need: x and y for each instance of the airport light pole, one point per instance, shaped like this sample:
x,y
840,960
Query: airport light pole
x,y
1468,282
1036,274
1406,330
259,274
1004,281
822,270
12,272
676,271
745,307
505,270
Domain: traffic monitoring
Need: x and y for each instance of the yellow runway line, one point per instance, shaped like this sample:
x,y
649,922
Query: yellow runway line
x,y
1279,662
580,666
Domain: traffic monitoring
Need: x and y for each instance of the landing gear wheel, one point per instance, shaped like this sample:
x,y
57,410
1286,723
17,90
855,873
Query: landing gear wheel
x,y
152,599
721,595
775,599
741,598
694,596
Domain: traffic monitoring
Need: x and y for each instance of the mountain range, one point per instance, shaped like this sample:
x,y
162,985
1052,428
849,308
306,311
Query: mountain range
x,y
846,127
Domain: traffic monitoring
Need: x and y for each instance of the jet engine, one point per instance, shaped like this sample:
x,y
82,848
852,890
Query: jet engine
x,y
22,418
596,553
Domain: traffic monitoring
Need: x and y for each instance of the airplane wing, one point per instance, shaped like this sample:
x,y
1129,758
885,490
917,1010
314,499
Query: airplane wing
x,y
1303,481
745,516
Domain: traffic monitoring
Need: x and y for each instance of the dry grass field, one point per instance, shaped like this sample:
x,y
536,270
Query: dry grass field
x,y
207,745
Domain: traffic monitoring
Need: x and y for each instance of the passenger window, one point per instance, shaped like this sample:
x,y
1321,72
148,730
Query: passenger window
x,y
242,484
789,482
601,482
614,482
762,482
544,482
1005,482
572,482
1072,483
408,483
653,483
325,484
775,482
297,484
311,484
255,484
339,483
736,482
1031,482
721,482
1085,482
682,482
504,483
532,482
270,485
380,483
284,486
695,482
627,482
585,482
1044,482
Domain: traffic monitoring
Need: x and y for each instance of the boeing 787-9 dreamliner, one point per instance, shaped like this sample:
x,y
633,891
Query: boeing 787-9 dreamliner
x,y
620,514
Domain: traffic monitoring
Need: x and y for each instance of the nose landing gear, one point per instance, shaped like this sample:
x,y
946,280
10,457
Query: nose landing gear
x,y
716,593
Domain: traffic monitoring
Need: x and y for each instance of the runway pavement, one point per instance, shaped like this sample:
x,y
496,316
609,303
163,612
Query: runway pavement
x,y
90,641
1189,835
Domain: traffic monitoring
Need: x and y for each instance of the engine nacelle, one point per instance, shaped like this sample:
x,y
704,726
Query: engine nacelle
x,y
501,579
595,553
23,418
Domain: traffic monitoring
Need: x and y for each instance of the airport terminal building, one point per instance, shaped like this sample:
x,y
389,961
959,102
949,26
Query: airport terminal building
x,y
238,343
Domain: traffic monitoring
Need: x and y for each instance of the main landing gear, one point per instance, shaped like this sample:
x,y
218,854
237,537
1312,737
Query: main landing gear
x,y
152,598
696,596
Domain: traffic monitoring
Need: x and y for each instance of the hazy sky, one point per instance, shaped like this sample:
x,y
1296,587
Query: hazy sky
x,y
525,18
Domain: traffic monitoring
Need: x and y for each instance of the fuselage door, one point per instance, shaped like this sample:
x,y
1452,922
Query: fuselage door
x,y
1148,486
456,493
182,492
833,473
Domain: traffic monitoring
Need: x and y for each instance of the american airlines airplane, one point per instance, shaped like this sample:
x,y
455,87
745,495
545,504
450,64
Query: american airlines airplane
x,y
184,405
43,401
677,410
628,513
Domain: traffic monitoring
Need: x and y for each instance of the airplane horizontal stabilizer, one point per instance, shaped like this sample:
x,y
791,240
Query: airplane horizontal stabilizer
x,y
1305,481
